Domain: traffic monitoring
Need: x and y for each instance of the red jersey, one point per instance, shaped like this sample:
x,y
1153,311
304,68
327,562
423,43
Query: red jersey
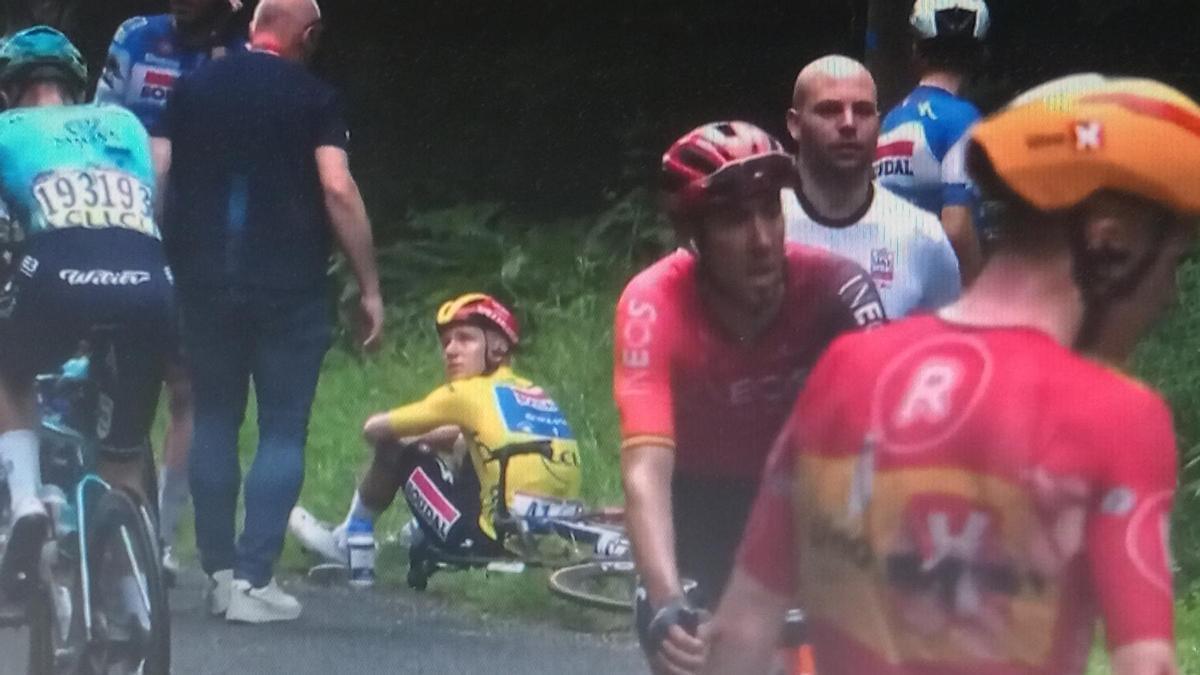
x,y
949,499
681,381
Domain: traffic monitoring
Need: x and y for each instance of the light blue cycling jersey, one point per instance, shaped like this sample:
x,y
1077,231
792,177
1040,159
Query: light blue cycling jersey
x,y
147,57
75,166
921,149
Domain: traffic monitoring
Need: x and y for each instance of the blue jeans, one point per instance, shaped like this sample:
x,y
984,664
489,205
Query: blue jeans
x,y
278,340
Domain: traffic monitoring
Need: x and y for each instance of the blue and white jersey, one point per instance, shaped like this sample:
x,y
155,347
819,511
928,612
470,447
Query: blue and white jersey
x,y
921,149
147,57
78,166
904,249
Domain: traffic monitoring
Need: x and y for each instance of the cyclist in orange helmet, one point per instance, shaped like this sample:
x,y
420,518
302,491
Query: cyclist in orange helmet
x,y
969,492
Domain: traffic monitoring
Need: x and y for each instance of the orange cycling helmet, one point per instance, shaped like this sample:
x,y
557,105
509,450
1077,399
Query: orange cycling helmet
x,y
1063,141
724,161
480,307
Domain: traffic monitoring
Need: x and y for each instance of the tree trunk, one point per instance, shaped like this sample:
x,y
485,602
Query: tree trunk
x,y
889,49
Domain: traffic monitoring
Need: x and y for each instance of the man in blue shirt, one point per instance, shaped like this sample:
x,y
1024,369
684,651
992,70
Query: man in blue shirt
x,y
259,187
147,55
922,141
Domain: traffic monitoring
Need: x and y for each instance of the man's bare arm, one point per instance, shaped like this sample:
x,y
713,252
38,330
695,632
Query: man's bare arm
x,y
352,228
160,155
646,475
746,628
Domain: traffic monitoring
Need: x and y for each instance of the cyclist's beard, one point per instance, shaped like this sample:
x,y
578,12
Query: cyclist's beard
x,y
822,168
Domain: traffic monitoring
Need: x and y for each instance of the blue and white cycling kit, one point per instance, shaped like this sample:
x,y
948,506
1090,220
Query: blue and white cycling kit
x,y
145,59
904,249
921,149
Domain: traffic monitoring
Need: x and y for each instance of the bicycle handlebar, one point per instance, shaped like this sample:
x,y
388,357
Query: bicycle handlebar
x,y
507,452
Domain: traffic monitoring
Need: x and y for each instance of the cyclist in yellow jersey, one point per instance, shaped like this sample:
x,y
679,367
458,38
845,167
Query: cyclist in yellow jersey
x,y
483,406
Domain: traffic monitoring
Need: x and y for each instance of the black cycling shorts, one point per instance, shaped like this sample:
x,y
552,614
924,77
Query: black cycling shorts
x,y
445,504
111,287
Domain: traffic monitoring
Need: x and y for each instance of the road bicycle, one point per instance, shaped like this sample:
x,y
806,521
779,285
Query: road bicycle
x,y
94,600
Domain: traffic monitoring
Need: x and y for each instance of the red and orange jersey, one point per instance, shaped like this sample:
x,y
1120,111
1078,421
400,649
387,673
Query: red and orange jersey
x,y
680,381
948,499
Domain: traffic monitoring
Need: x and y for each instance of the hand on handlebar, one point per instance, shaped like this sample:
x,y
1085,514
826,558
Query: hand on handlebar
x,y
682,634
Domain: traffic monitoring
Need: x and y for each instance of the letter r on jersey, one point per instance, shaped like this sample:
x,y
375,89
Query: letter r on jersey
x,y
928,395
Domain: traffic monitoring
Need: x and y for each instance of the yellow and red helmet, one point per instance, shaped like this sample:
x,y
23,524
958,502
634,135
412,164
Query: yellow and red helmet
x,y
1063,141
480,308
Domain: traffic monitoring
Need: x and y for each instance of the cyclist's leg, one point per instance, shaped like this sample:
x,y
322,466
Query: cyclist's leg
x,y
446,504
173,481
292,335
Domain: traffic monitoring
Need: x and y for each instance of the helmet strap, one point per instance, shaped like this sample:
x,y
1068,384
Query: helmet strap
x,y
1100,290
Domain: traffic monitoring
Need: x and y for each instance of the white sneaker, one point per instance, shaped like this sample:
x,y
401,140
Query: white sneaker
x,y
219,584
316,537
260,605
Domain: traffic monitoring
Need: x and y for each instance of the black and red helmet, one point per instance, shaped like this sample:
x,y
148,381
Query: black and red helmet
x,y
722,161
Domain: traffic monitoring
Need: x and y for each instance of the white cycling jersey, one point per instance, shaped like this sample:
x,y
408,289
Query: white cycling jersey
x,y
904,248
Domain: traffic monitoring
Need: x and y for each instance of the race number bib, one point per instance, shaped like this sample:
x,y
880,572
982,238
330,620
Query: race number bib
x,y
96,199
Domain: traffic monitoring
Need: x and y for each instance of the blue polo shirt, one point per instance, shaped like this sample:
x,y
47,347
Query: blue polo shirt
x,y
245,208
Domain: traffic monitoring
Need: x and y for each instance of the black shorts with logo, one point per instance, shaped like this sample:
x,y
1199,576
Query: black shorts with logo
x,y
111,287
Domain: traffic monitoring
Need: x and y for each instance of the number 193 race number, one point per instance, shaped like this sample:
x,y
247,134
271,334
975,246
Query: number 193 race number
x,y
95,199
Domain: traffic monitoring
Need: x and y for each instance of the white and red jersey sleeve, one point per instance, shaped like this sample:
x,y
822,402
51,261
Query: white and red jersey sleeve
x,y
1128,542
643,347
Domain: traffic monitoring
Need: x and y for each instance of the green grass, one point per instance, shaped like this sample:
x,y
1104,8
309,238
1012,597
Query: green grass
x,y
563,279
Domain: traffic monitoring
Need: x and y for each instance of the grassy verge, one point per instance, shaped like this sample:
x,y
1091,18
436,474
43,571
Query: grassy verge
x,y
563,279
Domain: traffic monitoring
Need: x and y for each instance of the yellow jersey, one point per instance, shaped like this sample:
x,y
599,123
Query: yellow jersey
x,y
493,411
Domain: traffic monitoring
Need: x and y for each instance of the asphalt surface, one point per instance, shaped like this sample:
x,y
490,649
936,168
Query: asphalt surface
x,y
367,633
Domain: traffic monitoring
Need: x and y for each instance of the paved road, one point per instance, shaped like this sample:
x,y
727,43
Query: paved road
x,y
343,631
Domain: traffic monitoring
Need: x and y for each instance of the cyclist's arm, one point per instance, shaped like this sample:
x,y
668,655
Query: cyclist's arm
x,y
959,225
942,282
114,79
958,198
646,472
160,154
1127,540
857,303
642,353
746,628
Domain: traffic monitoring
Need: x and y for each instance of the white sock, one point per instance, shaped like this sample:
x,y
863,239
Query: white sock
x,y
19,457
172,498
360,510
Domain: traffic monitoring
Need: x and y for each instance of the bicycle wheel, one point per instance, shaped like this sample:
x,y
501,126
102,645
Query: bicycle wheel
x,y
130,620
603,584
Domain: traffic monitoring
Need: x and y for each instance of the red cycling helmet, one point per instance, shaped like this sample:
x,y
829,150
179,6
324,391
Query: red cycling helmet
x,y
475,307
723,161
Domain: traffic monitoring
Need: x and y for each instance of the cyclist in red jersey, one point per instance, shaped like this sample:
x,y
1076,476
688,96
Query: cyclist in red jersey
x,y
966,492
712,343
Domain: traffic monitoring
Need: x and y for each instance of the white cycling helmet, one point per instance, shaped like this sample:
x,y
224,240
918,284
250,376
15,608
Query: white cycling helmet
x,y
950,19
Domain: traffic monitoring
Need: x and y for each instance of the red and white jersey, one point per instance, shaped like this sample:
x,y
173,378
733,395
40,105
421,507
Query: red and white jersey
x,y
965,500
681,381
905,249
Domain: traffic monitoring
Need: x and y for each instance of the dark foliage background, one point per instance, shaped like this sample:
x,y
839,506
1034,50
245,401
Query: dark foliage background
x,y
556,105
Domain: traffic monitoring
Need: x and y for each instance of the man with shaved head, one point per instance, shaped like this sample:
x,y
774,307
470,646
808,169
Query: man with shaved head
x,y
834,120
252,151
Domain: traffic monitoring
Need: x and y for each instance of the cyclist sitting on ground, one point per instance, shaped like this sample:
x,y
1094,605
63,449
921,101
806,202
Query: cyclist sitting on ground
x,y
455,505
712,343
965,493
81,251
